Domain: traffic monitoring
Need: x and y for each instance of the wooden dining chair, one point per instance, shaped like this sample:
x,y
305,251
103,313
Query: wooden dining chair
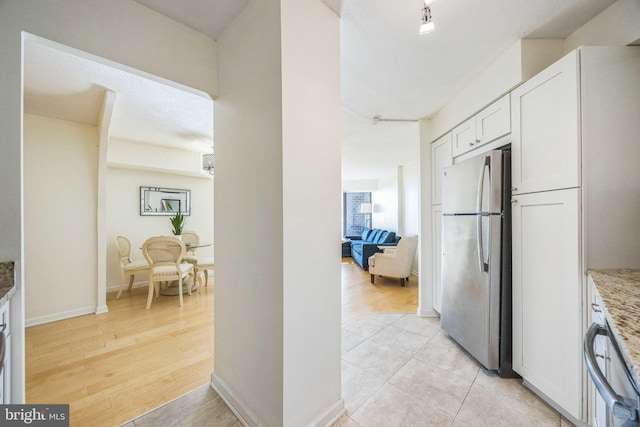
x,y
128,268
204,266
165,257
190,237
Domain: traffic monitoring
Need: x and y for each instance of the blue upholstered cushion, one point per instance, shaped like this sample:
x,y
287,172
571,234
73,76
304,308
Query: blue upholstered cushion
x,y
374,235
365,233
382,236
389,238
357,248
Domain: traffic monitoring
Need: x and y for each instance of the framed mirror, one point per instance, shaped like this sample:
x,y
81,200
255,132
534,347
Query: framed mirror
x,y
164,201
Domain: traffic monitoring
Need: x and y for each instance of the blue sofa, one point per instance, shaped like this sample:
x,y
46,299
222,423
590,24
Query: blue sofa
x,y
366,244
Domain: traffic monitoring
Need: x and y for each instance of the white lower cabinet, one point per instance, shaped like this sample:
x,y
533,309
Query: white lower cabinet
x,y
547,295
436,250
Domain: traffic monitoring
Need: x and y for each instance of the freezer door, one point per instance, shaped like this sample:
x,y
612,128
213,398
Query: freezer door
x,y
471,288
474,185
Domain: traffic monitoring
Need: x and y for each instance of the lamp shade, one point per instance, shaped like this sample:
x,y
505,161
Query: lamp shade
x,y
366,208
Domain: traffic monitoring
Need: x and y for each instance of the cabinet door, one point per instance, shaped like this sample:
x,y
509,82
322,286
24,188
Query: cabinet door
x,y
545,147
436,251
547,304
440,158
493,122
464,137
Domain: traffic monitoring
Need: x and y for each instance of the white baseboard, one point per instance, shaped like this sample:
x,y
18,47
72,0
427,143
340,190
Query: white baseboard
x,y
116,288
244,414
331,415
59,316
249,419
427,312
102,309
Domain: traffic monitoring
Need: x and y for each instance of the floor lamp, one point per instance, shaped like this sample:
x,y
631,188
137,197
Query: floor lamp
x,y
366,208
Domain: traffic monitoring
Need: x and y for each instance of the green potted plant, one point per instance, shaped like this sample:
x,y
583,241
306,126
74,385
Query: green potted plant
x,y
177,223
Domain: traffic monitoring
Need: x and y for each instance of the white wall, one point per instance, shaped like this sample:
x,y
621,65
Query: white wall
x,y
60,215
60,181
522,61
359,185
386,209
120,30
276,132
396,203
410,205
618,25
411,198
311,208
141,156
248,224
123,214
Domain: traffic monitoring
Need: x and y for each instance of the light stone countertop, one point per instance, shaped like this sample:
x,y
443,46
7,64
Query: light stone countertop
x,y
7,282
619,291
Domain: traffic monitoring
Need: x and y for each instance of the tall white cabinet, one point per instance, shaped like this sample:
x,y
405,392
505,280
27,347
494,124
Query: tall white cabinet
x,y
441,157
576,205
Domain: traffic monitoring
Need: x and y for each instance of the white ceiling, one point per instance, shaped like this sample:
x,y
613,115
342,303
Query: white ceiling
x,y
391,70
387,69
61,84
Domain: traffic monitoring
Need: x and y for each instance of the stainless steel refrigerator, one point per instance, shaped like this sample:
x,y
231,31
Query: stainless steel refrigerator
x,y
476,258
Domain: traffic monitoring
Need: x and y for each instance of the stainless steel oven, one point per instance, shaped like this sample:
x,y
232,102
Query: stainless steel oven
x,y
617,400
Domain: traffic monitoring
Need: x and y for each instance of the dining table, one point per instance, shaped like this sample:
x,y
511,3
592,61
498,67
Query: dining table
x,y
173,288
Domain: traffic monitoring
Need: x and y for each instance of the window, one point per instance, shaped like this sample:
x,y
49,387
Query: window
x,y
353,221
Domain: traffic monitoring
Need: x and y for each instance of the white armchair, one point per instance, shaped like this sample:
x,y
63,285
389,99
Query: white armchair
x,y
394,262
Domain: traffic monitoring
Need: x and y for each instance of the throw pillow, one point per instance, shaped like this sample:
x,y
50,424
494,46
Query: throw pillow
x,y
365,233
373,236
382,236
390,238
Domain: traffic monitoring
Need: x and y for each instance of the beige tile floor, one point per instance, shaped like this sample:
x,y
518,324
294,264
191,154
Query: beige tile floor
x,y
397,370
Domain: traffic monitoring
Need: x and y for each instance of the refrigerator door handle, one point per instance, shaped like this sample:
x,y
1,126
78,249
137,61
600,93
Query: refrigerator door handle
x,y
482,263
480,196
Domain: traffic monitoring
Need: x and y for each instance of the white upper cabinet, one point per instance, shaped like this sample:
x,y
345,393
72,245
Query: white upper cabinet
x,y
440,158
545,147
464,137
494,121
486,126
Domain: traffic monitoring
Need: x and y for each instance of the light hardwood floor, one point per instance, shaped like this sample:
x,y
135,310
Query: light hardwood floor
x,y
115,366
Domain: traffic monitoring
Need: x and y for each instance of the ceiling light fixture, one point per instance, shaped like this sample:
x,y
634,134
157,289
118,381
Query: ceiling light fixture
x,y
207,163
427,21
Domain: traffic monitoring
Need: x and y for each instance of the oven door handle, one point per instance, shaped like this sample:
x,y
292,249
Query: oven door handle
x,y
621,407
